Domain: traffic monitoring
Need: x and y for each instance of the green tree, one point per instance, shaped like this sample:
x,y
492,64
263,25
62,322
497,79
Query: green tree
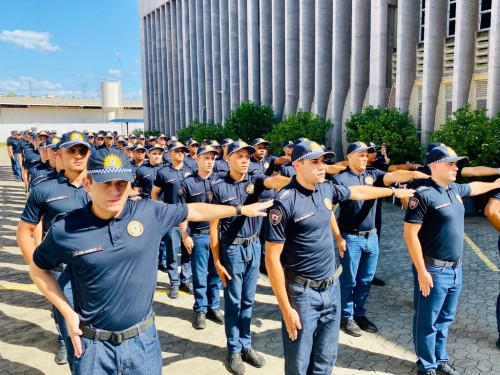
x,y
249,121
200,131
386,125
296,125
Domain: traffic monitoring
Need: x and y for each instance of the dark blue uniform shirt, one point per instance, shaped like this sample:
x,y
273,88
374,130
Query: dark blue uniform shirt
x,y
39,170
231,193
287,170
300,218
440,211
496,194
191,163
169,180
145,176
51,198
264,166
358,215
221,166
112,262
15,144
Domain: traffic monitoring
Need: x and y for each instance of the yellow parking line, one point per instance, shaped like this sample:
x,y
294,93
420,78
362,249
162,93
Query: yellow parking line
x,y
480,254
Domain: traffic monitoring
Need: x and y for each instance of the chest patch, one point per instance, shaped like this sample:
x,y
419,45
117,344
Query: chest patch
x,y
275,216
369,180
328,203
250,188
135,228
266,165
413,203
459,198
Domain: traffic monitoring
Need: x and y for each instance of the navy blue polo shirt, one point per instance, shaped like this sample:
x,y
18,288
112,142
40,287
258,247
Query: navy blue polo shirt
x,y
415,183
39,170
52,174
264,166
169,180
112,262
145,176
231,193
287,170
31,158
221,166
358,215
440,211
15,144
300,219
197,189
190,162
51,198
496,194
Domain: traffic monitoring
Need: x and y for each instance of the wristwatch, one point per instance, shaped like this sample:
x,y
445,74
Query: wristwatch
x,y
238,210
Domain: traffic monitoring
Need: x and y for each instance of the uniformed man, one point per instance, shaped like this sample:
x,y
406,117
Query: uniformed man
x,y
189,160
358,244
196,239
14,150
492,212
145,174
112,326
300,260
109,140
433,231
236,251
49,199
168,185
139,153
262,161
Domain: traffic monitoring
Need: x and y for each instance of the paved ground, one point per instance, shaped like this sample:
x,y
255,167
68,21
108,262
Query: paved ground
x,y
28,339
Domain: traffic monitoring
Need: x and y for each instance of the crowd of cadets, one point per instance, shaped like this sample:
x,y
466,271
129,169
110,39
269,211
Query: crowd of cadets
x,y
231,251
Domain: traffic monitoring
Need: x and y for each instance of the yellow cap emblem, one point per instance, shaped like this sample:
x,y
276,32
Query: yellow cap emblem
x,y
450,151
315,147
76,136
112,161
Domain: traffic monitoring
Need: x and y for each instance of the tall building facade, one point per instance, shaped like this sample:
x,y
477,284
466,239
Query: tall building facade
x,y
202,58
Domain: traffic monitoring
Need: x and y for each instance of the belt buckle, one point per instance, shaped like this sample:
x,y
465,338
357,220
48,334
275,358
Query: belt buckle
x,y
117,338
366,235
455,264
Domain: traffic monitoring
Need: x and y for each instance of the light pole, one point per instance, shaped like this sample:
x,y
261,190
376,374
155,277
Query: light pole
x,y
120,107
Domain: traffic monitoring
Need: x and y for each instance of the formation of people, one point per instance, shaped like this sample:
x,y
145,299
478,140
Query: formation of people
x,y
105,213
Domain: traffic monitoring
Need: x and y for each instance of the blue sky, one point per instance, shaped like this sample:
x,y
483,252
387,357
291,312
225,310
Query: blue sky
x,y
67,47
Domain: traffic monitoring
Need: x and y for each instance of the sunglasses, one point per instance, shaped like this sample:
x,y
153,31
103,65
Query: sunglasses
x,y
77,150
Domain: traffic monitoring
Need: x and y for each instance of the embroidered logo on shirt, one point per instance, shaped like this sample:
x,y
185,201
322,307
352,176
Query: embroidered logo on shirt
x,y
275,216
266,165
210,196
459,198
135,228
78,253
250,188
181,191
369,180
328,203
187,174
413,203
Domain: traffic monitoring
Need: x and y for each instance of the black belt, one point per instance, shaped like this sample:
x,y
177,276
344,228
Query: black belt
x,y
441,263
362,233
323,284
119,336
245,241
200,231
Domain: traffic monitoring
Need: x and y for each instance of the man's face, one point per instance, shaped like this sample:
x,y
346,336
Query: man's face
x,y
155,156
358,160
206,162
129,153
119,145
140,154
239,161
176,155
75,157
312,171
108,198
39,140
99,141
91,139
443,171
142,141
193,148
260,151
288,151
43,154
109,141
51,155
162,141
372,158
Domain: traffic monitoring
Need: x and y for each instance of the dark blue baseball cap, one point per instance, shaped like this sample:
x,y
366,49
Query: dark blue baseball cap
x,y
237,146
359,147
108,164
206,149
73,138
309,150
443,154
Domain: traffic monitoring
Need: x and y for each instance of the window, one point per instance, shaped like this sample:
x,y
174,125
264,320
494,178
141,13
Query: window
x,y
484,15
422,21
452,17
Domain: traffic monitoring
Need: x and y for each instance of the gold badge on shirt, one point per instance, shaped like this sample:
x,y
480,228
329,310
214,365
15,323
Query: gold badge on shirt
x,y
369,180
135,228
266,165
250,188
328,203
459,198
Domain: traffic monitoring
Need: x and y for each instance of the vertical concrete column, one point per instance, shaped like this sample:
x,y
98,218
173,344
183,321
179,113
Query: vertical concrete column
x,y
292,51
435,32
341,68
147,70
154,62
193,44
208,64
200,47
144,49
180,64
243,48
254,51
161,61
170,73
186,50
278,56
306,54
323,56
224,57
360,57
267,51
406,64
493,95
464,56
234,57
216,61
378,53
175,68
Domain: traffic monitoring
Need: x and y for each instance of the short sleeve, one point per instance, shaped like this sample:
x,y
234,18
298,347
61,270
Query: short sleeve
x,y
276,223
34,209
378,176
496,194
47,255
170,215
464,190
417,208
340,193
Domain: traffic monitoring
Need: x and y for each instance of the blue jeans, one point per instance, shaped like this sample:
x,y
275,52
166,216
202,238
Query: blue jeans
x,y
173,243
162,254
16,168
138,355
206,281
359,263
498,298
242,263
434,314
315,350
64,281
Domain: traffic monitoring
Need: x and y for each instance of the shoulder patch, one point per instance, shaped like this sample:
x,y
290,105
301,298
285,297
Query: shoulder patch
x,y
422,188
216,182
283,194
413,203
275,216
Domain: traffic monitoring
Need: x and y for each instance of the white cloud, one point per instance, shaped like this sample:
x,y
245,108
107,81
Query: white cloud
x,y
133,95
35,40
114,72
27,85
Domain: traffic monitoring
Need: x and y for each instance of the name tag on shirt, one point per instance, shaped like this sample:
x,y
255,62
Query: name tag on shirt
x,y
57,198
443,205
303,217
228,199
78,253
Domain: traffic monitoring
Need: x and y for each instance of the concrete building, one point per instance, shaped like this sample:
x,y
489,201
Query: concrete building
x,y
333,57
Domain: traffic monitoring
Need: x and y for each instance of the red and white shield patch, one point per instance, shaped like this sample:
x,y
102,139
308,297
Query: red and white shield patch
x,y
275,216
413,203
